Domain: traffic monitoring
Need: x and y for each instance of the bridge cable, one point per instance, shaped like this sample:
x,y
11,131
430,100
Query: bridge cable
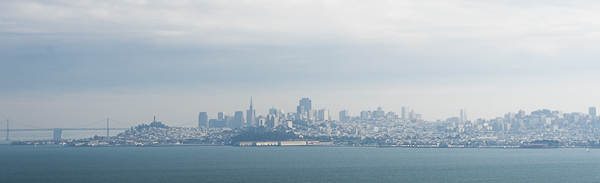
x,y
121,122
183,125
25,124
91,124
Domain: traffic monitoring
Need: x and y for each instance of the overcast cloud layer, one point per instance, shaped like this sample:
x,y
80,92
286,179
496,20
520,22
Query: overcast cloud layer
x,y
65,63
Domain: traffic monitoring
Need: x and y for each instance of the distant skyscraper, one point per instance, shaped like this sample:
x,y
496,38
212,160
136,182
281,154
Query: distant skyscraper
x,y
238,120
215,123
323,115
344,116
365,114
463,115
221,115
509,116
300,112
272,121
593,112
274,111
379,113
412,115
203,120
281,114
251,115
405,112
306,103
311,114
521,114
261,121
392,115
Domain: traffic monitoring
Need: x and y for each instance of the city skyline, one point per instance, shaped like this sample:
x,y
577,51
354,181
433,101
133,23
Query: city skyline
x,y
542,128
405,113
212,113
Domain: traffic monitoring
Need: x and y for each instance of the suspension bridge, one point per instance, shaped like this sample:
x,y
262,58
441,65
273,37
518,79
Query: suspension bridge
x,y
58,131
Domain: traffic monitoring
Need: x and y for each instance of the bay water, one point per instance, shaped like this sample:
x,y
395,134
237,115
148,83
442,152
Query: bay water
x,y
295,164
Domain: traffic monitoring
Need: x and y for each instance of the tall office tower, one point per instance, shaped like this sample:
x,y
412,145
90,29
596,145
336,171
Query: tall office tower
x,y
509,116
274,111
311,114
215,123
221,115
272,121
203,120
365,114
300,111
261,121
251,115
281,114
405,112
320,116
463,115
229,121
379,113
593,112
521,114
306,103
344,116
391,115
323,115
238,120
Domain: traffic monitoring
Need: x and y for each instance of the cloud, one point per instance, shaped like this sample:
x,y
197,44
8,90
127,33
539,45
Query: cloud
x,y
289,22
284,46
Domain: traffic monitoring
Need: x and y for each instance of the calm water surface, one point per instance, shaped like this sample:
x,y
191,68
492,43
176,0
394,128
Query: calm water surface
x,y
294,164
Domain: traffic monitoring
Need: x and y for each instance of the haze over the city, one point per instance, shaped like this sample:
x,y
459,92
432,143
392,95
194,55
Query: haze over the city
x,y
68,63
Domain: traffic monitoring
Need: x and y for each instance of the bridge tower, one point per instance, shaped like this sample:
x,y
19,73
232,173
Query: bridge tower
x,y
107,130
7,129
57,134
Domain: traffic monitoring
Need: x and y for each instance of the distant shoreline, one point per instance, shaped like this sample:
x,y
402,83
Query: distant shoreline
x,y
383,147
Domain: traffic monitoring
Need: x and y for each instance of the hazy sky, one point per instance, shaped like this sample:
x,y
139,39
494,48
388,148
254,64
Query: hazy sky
x,y
67,63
